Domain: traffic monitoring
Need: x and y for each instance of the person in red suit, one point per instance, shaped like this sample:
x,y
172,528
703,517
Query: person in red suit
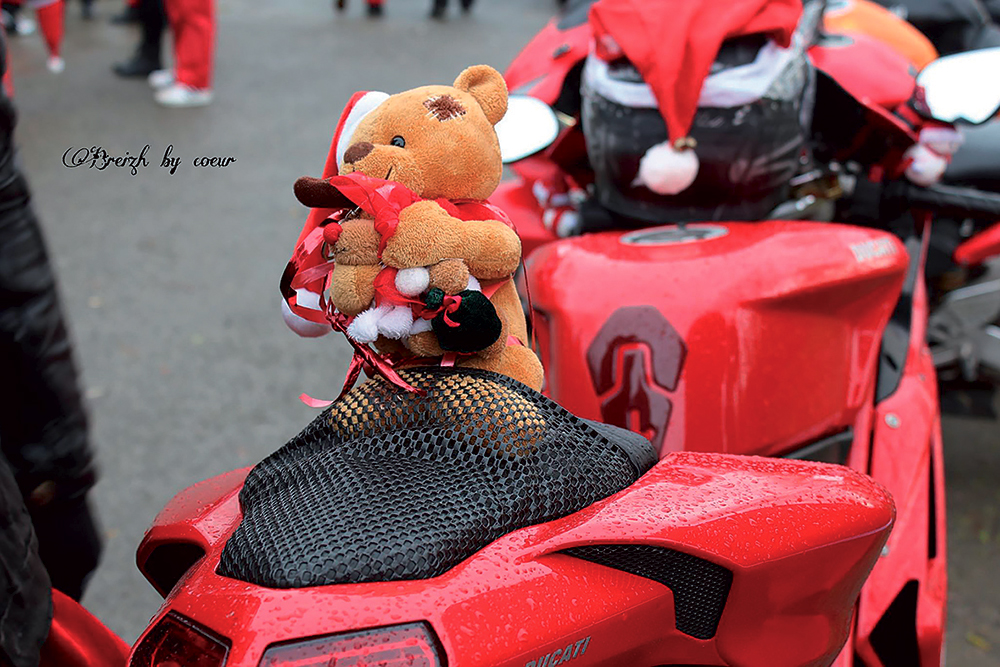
x,y
189,84
374,7
50,20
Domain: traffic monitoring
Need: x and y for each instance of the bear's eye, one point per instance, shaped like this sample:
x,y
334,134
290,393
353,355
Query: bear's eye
x,y
398,142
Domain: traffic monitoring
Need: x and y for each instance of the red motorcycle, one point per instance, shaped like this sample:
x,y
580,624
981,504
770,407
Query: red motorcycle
x,y
788,337
963,261
704,559
485,524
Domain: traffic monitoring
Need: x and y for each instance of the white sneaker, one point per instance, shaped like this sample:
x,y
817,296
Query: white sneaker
x,y
179,95
55,64
161,78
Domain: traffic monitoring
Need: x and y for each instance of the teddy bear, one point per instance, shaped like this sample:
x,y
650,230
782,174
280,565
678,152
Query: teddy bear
x,y
422,266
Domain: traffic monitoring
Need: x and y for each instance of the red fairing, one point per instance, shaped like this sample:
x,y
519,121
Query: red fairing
x,y
77,639
870,70
197,516
798,537
758,341
980,247
541,67
907,457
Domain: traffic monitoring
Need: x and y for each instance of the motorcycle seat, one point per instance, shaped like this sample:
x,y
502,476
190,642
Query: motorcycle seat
x,y
387,485
975,164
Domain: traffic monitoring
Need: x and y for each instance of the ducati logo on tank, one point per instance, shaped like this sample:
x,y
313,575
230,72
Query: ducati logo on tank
x,y
635,362
561,655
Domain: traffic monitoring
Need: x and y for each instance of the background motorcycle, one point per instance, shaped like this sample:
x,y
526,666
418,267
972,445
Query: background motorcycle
x,y
777,338
963,262
963,327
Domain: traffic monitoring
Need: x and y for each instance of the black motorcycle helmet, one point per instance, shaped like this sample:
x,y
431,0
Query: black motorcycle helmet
x,y
747,153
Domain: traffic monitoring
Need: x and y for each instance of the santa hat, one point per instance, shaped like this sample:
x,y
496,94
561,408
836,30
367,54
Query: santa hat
x,y
301,307
360,105
673,43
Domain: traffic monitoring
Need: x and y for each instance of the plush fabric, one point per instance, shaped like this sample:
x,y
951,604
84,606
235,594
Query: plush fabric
x,y
450,275
439,143
352,287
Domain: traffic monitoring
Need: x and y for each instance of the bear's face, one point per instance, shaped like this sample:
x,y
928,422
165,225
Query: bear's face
x,y
436,140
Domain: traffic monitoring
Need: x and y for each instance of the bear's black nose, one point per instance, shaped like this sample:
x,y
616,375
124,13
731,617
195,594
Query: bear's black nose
x,y
357,151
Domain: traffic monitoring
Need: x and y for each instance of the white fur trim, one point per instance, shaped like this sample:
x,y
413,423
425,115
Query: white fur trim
x,y
364,327
368,102
411,282
396,323
301,325
927,167
420,325
729,88
667,171
473,284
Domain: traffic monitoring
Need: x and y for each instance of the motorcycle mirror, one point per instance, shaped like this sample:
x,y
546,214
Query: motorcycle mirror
x,y
529,126
963,87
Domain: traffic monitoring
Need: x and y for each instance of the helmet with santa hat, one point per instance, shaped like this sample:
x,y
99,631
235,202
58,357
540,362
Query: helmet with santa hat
x,y
695,109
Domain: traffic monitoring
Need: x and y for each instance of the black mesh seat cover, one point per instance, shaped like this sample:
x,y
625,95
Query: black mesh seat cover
x,y
386,485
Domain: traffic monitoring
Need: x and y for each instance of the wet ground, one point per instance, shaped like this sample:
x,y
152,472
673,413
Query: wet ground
x,y
170,281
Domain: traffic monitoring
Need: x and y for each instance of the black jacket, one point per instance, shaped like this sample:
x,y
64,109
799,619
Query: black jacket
x,y
46,469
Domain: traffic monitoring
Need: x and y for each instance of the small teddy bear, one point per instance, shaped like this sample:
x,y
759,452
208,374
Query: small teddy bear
x,y
422,265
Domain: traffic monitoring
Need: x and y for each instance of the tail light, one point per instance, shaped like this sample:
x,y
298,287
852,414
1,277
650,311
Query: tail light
x,y
412,645
179,642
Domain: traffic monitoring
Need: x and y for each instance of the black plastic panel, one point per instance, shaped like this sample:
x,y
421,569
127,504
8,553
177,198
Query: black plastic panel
x,y
700,587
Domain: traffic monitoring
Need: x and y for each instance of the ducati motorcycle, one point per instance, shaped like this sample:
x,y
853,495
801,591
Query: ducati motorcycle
x,y
583,548
480,523
483,523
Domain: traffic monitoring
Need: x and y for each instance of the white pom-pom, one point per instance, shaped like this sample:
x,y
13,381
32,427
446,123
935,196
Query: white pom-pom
x,y
364,327
301,325
420,325
666,170
55,64
411,282
927,167
396,323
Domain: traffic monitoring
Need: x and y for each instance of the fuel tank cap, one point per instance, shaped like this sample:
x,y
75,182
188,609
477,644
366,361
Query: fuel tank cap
x,y
672,234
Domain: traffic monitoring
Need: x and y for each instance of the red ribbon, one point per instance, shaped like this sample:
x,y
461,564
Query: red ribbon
x,y
448,306
367,359
381,199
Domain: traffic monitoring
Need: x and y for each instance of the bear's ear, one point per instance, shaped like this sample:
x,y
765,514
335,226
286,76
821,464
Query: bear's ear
x,y
488,87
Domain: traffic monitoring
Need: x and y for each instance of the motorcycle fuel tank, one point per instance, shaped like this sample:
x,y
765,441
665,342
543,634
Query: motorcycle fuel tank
x,y
747,338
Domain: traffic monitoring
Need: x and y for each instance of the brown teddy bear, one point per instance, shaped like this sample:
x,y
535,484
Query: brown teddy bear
x,y
422,265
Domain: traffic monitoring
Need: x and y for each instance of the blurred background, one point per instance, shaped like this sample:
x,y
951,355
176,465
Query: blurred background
x,y
170,281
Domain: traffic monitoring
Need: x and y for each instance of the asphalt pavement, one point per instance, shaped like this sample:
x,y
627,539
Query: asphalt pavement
x,y
170,280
